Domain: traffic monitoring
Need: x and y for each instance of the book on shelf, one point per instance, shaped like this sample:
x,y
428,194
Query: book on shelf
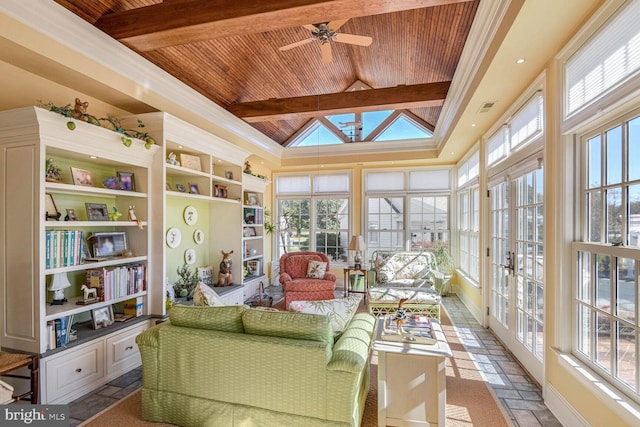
x,y
63,248
116,282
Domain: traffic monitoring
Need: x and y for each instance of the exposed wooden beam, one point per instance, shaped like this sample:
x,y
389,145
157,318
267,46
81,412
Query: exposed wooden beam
x,y
395,98
180,22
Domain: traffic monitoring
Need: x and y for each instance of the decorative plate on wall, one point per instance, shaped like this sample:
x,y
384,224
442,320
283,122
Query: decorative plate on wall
x,y
190,256
190,215
198,236
173,237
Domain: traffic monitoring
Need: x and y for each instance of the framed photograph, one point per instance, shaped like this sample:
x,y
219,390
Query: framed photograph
x,y
228,174
102,317
167,187
181,188
127,181
108,244
71,215
51,211
97,211
220,191
252,199
111,182
81,177
252,232
191,162
193,188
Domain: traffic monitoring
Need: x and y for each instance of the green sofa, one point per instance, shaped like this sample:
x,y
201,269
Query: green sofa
x,y
236,366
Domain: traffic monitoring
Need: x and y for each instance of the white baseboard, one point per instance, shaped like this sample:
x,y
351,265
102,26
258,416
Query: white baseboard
x,y
564,412
476,312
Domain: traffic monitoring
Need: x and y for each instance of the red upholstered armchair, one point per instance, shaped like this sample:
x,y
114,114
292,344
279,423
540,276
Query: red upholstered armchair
x,y
295,283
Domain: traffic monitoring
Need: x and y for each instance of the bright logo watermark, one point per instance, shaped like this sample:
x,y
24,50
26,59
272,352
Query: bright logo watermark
x,y
42,415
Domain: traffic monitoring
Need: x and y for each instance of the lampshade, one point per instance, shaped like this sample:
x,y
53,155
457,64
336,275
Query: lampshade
x,y
59,282
356,243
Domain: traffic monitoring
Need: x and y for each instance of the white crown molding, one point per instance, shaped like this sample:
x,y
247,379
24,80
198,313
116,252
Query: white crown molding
x,y
485,25
57,23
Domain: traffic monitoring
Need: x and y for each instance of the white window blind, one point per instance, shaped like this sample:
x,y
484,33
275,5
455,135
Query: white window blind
x,y
293,185
429,180
469,170
332,183
527,122
385,181
608,58
498,146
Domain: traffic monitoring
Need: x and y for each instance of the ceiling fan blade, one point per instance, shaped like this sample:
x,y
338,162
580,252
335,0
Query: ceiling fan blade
x,y
353,39
325,50
310,27
296,44
334,25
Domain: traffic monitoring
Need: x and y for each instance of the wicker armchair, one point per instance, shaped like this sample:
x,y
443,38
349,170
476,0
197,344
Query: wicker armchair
x,y
297,285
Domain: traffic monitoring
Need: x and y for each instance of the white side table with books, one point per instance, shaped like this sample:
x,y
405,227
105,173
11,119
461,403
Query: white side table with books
x,y
411,377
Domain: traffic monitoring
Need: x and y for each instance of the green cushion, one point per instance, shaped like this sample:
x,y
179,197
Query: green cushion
x,y
226,318
312,327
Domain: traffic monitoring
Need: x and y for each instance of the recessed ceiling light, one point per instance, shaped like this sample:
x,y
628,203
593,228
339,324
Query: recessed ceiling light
x,y
92,157
179,146
520,60
473,125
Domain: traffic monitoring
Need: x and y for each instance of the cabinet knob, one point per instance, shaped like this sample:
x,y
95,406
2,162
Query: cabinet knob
x,y
79,370
129,348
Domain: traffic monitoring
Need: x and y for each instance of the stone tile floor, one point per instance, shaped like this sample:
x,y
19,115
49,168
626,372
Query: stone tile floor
x,y
519,395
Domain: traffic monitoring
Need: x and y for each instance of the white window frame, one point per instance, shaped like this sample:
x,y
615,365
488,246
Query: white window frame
x,y
468,198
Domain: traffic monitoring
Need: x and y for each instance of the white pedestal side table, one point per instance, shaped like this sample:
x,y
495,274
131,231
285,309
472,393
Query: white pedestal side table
x,y
411,380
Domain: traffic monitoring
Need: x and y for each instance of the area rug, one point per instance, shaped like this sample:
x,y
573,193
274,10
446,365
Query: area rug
x,y
469,401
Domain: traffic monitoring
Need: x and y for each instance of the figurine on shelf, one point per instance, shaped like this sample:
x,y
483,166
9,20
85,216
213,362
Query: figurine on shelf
x,y
113,216
247,167
90,294
400,317
225,277
172,159
133,217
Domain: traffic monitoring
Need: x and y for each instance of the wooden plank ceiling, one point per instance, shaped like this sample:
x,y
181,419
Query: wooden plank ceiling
x,y
228,51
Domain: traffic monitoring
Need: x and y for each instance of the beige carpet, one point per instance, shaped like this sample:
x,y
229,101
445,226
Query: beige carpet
x,y
469,400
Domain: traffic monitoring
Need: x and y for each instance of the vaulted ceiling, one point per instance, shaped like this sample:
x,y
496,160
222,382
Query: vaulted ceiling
x,y
228,50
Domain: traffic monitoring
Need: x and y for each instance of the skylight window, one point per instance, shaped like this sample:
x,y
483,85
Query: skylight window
x,y
402,128
319,136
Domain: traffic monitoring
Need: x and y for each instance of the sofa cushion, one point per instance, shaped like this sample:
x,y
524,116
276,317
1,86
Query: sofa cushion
x,y
316,269
226,318
312,327
341,310
410,268
296,266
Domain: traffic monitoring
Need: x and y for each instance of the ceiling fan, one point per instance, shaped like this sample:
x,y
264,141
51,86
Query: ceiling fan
x,y
327,32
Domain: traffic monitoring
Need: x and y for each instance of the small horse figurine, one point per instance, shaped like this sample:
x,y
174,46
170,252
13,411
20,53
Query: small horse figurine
x,y
89,293
225,278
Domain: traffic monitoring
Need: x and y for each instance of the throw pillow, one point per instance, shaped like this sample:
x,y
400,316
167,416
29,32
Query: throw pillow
x,y
204,295
340,310
316,269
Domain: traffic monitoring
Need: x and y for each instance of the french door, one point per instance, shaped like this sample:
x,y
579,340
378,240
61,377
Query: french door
x,y
516,248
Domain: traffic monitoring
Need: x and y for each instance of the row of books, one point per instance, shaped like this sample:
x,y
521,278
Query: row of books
x,y
117,282
253,216
59,332
64,248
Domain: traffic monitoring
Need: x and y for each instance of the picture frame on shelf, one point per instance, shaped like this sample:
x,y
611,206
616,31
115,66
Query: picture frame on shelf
x,y
51,211
193,188
71,215
190,162
254,267
97,211
108,244
252,199
228,175
81,177
167,187
252,232
101,317
127,181
111,182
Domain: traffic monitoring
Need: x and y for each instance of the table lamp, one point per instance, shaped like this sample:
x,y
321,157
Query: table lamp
x,y
357,245
59,282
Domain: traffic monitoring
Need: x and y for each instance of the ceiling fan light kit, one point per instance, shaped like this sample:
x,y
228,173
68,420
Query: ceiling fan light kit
x,y
326,33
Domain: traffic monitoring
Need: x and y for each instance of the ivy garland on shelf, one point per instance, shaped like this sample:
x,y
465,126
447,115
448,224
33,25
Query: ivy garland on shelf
x,y
79,112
